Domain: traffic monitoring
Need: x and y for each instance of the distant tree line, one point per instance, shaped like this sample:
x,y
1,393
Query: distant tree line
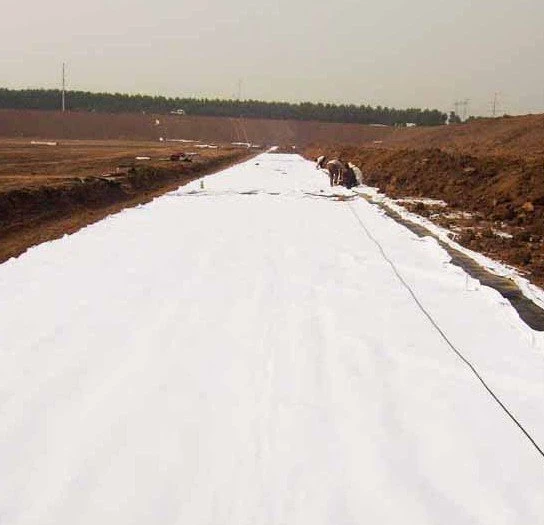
x,y
49,99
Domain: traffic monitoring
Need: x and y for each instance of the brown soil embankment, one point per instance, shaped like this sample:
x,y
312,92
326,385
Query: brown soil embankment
x,y
521,136
63,194
134,126
490,174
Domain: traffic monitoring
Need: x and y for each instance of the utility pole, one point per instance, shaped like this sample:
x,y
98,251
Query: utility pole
x,y
494,105
239,89
461,108
63,87
456,105
465,108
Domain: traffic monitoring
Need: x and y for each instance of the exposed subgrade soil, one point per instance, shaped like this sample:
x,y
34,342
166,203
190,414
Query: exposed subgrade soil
x,y
34,211
493,204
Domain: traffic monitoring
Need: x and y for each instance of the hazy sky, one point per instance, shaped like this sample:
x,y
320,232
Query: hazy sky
x,y
423,53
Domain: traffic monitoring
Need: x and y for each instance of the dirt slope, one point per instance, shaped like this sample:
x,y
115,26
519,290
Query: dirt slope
x,y
489,172
517,136
103,126
510,136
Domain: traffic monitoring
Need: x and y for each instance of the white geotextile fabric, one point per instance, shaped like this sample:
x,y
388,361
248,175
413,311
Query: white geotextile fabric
x,y
241,353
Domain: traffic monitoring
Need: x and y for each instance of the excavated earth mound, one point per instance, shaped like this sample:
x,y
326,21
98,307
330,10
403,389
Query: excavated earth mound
x,y
490,175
